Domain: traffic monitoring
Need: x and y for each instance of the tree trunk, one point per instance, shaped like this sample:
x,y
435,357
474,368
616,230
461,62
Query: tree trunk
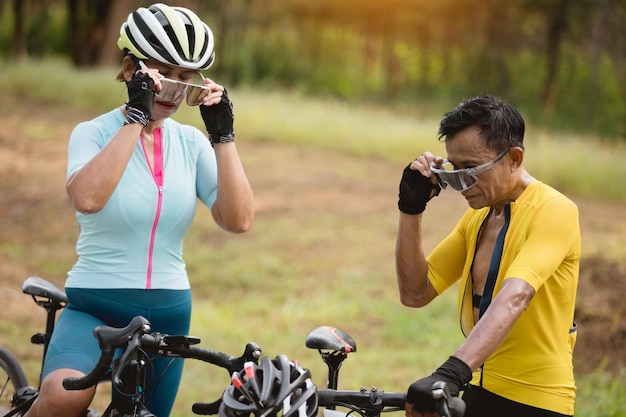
x,y
110,54
18,39
597,45
557,25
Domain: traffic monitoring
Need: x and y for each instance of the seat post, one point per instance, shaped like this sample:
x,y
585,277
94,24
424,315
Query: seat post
x,y
51,308
333,360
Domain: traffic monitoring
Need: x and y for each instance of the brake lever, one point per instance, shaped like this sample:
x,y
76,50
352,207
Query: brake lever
x,y
234,365
251,353
131,349
447,405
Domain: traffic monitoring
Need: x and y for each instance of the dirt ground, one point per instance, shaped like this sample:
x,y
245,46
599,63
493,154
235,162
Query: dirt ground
x,y
32,166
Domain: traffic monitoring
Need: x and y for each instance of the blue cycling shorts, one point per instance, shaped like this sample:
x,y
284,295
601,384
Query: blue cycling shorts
x,y
73,346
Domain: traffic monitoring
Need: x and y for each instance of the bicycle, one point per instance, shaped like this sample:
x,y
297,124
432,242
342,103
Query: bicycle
x,y
127,372
334,345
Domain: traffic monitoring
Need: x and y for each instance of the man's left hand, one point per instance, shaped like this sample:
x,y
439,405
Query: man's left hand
x,y
420,402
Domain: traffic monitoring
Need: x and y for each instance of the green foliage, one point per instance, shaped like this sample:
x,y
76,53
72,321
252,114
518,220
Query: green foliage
x,y
400,51
601,394
45,29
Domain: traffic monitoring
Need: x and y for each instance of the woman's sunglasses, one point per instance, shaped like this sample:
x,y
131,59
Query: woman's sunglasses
x,y
172,90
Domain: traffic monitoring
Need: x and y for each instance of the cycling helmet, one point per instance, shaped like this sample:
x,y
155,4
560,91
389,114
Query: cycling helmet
x,y
273,388
171,35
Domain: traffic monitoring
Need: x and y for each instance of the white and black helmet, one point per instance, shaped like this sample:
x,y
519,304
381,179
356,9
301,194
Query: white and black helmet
x,y
273,388
171,35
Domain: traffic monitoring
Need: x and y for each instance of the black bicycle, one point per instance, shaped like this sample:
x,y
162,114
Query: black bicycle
x,y
127,372
138,346
334,345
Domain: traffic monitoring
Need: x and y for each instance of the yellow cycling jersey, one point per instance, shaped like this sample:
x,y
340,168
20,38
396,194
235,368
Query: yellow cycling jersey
x,y
533,365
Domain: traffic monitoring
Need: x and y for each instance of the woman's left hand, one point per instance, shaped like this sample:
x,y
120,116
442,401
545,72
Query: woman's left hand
x,y
215,96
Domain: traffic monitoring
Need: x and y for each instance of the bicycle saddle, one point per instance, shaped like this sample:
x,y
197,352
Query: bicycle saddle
x,y
330,338
39,287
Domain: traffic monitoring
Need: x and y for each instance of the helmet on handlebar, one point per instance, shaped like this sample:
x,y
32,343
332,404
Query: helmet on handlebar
x,y
272,388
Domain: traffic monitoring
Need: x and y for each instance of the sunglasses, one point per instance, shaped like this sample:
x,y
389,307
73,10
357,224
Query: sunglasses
x,y
461,179
172,90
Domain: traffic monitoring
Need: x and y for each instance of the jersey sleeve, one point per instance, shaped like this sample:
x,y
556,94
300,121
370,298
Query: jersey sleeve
x,y
553,234
206,181
447,261
85,142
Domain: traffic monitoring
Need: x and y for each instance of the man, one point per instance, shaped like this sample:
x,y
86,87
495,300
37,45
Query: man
x,y
516,253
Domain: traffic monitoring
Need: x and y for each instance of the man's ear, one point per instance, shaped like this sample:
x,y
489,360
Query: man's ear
x,y
516,158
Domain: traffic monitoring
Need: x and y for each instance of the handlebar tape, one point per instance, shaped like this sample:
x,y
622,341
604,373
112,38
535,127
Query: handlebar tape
x,y
109,339
205,409
93,377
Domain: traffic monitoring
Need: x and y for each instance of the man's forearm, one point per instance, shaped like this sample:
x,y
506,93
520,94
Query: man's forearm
x,y
411,266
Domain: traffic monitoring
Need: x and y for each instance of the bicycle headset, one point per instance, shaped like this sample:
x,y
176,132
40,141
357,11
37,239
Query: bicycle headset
x,y
272,388
171,35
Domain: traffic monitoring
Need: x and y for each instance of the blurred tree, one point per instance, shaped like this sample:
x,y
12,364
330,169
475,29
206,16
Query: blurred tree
x,y
93,30
18,39
556,14
543,54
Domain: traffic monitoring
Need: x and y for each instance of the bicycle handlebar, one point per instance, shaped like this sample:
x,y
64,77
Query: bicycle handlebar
x,y
135,337
377,400
109,339
362,399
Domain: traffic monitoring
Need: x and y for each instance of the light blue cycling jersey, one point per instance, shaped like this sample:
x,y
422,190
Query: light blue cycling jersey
x,y
136,240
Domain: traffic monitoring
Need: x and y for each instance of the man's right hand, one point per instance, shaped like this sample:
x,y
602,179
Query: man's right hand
x,y
415,191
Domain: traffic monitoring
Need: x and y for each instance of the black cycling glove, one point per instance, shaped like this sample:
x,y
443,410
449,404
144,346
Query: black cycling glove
x,y
454,372
140,98
415,191
218,120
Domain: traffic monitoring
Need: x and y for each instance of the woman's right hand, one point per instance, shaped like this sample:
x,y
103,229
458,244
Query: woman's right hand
x,y
141,93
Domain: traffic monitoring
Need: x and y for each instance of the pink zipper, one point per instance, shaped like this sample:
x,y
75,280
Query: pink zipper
x,y
157,175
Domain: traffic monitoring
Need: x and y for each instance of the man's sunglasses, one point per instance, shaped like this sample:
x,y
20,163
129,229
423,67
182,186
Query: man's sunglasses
x,y
461,179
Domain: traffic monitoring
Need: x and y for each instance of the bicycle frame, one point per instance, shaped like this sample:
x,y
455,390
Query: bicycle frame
x,y
129,394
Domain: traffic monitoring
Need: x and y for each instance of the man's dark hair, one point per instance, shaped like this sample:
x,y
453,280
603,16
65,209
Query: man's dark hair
x,y
501,125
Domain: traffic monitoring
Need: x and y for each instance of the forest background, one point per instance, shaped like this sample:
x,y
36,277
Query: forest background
x,y
331,99
562,62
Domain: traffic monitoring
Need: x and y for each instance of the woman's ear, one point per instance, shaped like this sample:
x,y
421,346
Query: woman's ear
x,y
129,67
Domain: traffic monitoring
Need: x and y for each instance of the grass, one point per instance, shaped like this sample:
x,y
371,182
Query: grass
x,y
259,288
581,165
601,395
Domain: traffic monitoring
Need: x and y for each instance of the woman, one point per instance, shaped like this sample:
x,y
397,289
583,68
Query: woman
x,y
134,176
